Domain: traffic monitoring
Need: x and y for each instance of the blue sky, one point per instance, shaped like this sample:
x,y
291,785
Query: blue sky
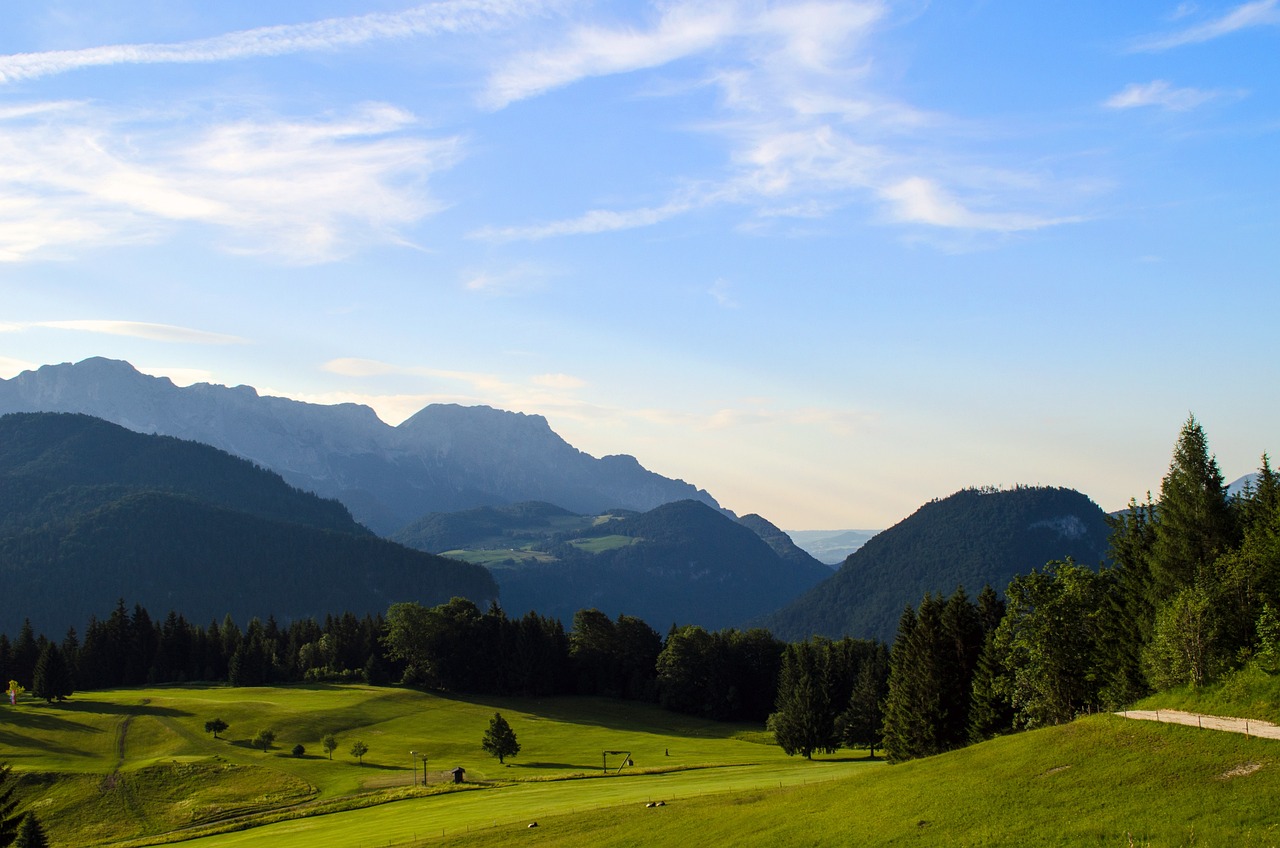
x,y
826,259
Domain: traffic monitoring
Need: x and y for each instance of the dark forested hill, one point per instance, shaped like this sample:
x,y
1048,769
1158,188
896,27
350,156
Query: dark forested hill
x,y
783,546
91,512
681,562
972,538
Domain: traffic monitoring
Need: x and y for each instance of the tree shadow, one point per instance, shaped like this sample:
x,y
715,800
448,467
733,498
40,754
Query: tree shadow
x,y
108,708
41,719
576,766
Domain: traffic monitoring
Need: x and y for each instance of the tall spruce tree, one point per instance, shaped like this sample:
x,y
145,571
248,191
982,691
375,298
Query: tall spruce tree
x,y
1128,612
803,721
1194,523
914,715
52,677
861,725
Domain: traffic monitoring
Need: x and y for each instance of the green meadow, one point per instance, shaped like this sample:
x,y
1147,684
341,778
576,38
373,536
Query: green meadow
x,y
135,767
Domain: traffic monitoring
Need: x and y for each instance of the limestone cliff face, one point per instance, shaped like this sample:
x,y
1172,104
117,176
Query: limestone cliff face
x,y
444,458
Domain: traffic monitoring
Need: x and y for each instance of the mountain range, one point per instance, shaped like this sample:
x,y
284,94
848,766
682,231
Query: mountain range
x,y
91,512
444,458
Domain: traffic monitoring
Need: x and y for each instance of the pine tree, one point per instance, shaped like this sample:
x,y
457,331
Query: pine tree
x,y
1194,520
8,821
500,740
962,646
1127,614
913,712
31,833
861,725
52,676
804,719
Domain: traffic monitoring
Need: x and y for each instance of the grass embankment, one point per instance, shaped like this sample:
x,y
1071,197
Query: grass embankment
x,y
1249,693
137,765
1101,781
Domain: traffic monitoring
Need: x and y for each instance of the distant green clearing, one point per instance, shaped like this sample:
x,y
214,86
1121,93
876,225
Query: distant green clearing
x,y
600,544
498,557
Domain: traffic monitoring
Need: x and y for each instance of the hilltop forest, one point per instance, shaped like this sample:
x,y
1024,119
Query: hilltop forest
x,y
1190,592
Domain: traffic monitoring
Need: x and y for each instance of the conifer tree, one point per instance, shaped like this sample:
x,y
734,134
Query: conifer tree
x,y
962,647
861,725
8,821
1194,520
31,833
1127,614
52,676
803,721
914,715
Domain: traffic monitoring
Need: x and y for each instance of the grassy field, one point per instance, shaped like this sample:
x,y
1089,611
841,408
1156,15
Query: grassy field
x,y
134,767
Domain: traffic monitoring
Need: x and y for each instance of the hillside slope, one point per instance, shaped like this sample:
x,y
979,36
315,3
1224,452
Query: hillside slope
x,y
93,512
971,539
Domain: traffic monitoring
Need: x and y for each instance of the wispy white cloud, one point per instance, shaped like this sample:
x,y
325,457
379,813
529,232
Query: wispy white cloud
x,y
1244,16
722,292
144,330
516,278
919,200
85,177
593,221
591,51
1162,94
448,16
558,381
805,130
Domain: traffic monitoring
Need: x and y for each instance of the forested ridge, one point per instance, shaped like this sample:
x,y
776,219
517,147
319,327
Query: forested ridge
x,y
90,511
975,537
680,562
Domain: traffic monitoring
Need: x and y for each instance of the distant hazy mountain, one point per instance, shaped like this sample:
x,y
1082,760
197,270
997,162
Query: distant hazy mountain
x,y
831,546
681,562
445,458
91,512
972,538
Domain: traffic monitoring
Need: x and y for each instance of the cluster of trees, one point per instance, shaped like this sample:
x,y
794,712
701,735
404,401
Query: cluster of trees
x,y
724,675
829,696
128,649
1191,592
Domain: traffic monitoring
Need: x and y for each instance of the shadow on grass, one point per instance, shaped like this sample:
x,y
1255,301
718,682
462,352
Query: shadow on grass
x,y
108,708
47,718
576,766
19,742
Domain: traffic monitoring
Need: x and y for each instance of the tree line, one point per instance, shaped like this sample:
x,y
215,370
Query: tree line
x,y
727,675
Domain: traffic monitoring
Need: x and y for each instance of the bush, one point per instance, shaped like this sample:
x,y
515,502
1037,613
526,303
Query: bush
x,y
298,750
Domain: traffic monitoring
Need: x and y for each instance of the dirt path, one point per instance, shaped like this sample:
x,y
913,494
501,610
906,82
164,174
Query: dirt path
x,y
1247,726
